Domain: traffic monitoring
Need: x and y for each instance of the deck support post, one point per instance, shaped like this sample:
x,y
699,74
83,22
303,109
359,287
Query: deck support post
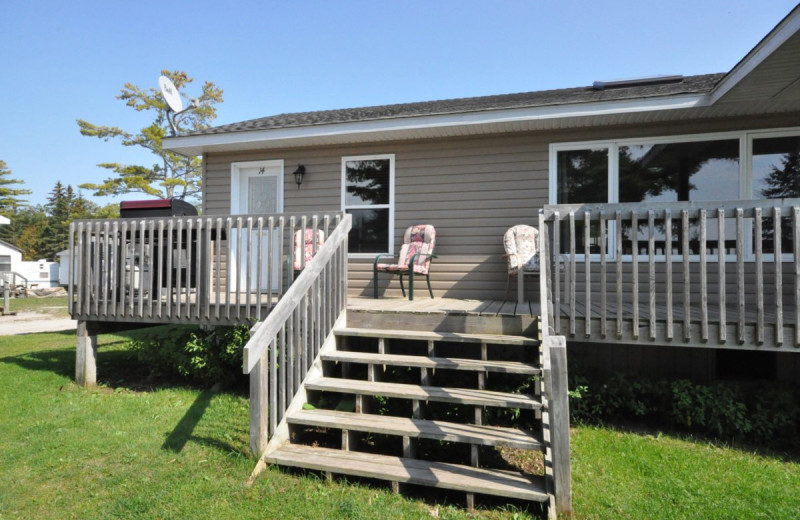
x,y
558,410
259,400
86,354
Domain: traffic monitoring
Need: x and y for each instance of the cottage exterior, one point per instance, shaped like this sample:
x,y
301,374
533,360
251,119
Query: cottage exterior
x,y
473,167
667,218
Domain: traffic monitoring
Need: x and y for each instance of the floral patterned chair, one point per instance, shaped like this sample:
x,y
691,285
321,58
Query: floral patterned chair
x,y
305,248
520,243
415,258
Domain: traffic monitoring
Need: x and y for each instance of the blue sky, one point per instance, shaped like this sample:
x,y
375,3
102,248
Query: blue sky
x,y
63,61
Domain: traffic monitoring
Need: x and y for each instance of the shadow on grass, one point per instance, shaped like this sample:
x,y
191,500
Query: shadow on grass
x,y
185,427
184,430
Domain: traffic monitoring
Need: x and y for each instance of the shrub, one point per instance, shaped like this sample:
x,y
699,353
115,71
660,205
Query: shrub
x,y
762,412
198,356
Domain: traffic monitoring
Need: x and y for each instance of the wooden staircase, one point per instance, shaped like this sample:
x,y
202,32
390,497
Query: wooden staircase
x,y
424,408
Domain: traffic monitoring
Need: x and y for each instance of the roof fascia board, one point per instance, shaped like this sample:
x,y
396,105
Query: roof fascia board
x,y
200,143
769,44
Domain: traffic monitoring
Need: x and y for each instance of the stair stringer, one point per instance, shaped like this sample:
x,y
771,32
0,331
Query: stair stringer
x,y
281,434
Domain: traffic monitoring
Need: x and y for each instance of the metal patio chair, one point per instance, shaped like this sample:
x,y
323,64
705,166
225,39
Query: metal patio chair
x,y
414,259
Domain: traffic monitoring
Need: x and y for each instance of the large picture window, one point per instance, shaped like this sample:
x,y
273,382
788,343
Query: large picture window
x,y
729,166
368,195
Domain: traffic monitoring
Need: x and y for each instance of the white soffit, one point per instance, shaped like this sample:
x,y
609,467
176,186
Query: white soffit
x,y
4,220
444,125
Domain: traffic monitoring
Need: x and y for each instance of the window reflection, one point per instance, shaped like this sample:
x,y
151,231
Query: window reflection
x,y
582,178
776,174
698,170
370,231
367,182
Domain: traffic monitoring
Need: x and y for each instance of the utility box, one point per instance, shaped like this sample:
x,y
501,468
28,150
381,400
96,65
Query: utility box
x,y
146,209
156,208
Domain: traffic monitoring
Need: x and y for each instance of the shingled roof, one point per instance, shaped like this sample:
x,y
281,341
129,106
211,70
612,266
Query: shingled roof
x,y
687,85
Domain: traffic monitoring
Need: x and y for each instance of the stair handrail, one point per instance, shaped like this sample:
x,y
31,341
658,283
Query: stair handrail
x,y
290,337
554,381
14,276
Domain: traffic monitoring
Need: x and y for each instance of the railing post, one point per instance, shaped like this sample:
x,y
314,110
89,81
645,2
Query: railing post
x,y
259,399
6,298
558,410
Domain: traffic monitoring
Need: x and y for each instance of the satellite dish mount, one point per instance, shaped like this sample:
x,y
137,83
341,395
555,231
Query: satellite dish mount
x,y
174,102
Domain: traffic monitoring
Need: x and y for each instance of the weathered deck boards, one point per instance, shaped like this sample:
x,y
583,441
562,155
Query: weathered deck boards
x,y
474,365
445,305
419,428
497,339
425,393
412,471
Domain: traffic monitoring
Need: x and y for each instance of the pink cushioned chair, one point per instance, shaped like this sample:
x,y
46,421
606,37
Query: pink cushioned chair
x,y
415,258
305,248
520,243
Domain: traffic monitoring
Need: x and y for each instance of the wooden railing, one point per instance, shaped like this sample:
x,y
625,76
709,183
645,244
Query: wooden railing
x,y
10,278
209,269
283,347
555,418
691,273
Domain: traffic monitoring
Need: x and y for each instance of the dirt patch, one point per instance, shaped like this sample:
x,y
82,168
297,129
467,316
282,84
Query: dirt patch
x,y
32,322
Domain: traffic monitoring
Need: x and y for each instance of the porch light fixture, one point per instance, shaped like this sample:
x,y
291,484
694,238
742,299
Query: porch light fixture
x,y
298,175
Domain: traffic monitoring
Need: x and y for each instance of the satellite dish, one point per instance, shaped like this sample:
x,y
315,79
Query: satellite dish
x,y
174,101
170,93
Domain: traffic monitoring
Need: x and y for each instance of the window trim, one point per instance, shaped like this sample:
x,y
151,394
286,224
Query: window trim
x,y
390,205
745,138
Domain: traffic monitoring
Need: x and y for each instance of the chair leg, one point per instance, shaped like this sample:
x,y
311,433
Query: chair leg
x,y
428,279
410,284
401,285
374,283
508,286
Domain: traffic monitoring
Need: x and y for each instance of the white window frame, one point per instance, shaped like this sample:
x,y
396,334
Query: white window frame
x,y
745,138
390,205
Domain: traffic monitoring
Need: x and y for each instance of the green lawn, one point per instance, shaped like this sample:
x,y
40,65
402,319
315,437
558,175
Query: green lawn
x,y
52,306
125,450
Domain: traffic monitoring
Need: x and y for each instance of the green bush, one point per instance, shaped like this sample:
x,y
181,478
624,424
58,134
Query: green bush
x,y
198,356
762,412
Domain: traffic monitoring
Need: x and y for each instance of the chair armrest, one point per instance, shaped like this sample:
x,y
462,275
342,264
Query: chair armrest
x,y
375,263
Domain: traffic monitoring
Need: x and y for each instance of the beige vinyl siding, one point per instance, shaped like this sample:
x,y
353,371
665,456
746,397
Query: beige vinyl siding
x,y
471,189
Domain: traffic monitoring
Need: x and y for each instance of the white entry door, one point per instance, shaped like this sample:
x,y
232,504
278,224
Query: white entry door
x,y
256,189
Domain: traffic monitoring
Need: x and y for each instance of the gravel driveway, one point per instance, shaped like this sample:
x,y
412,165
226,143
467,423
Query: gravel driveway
x,y
31,322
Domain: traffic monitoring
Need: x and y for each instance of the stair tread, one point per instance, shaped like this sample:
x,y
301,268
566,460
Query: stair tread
x,y
438,336
426,393
414,471
420,428
509,367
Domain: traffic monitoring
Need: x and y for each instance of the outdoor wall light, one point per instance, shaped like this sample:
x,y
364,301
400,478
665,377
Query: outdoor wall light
x,y
298,175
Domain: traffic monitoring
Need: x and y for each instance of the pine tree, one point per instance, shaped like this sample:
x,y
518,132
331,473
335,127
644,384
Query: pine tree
x,y
11,202
172,175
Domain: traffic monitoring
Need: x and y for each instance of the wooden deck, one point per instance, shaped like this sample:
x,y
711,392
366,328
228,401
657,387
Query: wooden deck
x,y
445,314
753,329
446,306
